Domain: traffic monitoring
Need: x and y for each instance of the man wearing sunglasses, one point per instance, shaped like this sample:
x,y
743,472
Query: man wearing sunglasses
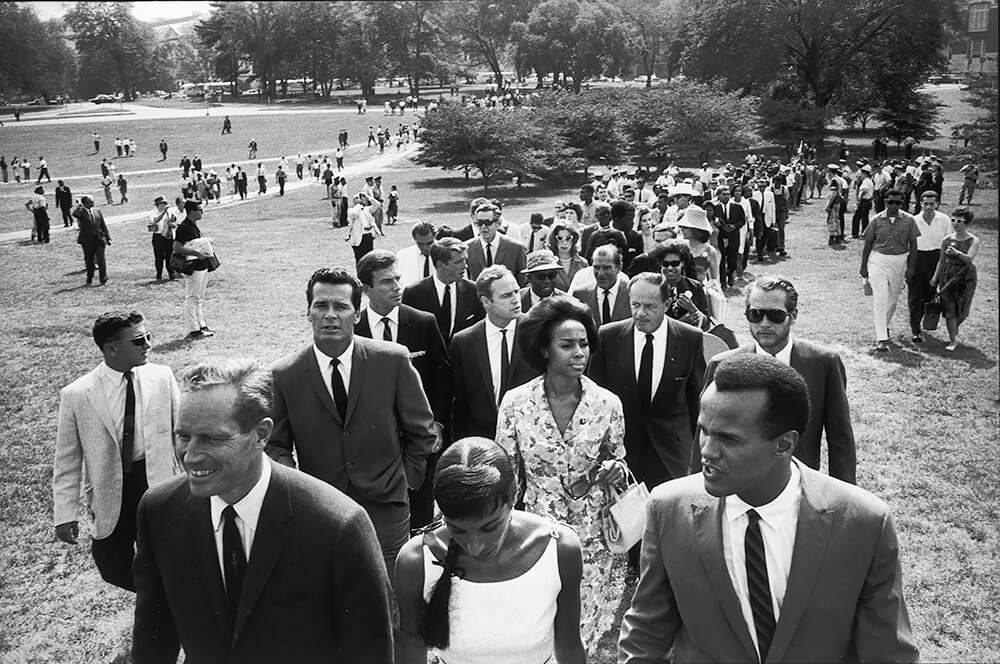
x,y
888,260
118,421
771,310
493,248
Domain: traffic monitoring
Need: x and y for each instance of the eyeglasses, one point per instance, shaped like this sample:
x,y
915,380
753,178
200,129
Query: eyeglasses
x,y
893,202
582,485
776,316
482,223
671,263
138,341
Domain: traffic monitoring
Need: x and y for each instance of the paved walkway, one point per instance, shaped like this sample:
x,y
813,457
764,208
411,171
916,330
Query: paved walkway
x,y
360,169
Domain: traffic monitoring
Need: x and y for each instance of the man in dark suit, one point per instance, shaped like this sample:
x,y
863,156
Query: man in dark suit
x,y
477,357
772,309
623,219
353,411
493,248
64,201
730,217
447,294
607,297
244,560
602,212
761,558
542,271
387,319
92,237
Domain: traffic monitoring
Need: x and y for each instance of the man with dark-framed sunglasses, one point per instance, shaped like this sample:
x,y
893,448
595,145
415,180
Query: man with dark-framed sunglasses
x,y
118,421
771,310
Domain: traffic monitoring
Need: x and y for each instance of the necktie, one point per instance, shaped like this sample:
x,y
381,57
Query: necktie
x,y
444,315
339,392
489,254
531,242
758,586
646,373
234,560
386,332
606,308
427,266
504,365
128,429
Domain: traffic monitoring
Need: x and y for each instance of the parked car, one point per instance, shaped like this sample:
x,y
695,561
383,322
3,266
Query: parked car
x,y
104,99
250,93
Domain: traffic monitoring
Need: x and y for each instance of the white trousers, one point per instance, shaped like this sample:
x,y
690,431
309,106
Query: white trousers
x,y
194,298
887,275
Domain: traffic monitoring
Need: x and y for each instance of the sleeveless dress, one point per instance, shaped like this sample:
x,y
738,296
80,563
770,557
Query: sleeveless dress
x,y
503,622
713,289
958,281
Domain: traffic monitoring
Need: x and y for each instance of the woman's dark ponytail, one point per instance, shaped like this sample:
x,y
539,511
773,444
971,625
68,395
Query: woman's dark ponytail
x,y
435,627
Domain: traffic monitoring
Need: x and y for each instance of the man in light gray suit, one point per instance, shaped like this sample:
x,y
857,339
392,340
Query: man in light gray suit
x,y
117,423
608,296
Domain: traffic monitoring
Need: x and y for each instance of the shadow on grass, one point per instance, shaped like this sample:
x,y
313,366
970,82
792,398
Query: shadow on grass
x,y
174,344
72,289
900,355
970,355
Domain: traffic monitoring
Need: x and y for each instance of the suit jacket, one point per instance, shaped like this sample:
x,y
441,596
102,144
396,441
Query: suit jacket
x,y
526,297
418,331
468,309
89,445
64,197
844,601
827,380
382,446
508,252
732,213
667,427
474,411
315,588
91,225
594,299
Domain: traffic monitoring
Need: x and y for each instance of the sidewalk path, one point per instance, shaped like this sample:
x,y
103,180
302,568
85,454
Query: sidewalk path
x,y
363,168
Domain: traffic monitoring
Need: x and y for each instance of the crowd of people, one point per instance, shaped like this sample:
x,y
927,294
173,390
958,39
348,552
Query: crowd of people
x,y
470,410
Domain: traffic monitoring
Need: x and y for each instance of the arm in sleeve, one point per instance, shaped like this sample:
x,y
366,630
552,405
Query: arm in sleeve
x,y
460,399
696,442
154,634
882,626
837,423
416,423
696,382
280,445
67,465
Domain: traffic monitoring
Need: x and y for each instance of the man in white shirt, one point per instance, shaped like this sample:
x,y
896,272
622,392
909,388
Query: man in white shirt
x,y
161,224
414,262
534,235
933,226
759,557
866,193
244,560
607,297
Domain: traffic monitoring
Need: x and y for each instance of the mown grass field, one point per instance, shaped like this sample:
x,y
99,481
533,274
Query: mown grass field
x,y
926,420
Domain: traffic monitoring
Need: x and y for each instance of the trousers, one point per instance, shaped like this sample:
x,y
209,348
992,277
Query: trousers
x,y
162,248
93,256
194,299
114,554
887,275
918,286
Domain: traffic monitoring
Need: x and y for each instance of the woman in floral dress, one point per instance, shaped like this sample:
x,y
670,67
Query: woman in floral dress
x,y
565,433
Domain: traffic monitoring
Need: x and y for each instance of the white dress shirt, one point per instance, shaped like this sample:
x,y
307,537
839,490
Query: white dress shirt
x,y
784,355
659,353
778,522
932,234
439,288
493,341
247,513
114,386
376,325
325,368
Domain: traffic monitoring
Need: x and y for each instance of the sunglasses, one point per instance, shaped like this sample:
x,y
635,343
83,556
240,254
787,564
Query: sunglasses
x,y
485,223
894,202
776,316
671,263
138,341
582,485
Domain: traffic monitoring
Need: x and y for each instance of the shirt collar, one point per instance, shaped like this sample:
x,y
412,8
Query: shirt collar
x,y
374,317
784,355
775,512
116,377
248,507
492,329
659,336
345,358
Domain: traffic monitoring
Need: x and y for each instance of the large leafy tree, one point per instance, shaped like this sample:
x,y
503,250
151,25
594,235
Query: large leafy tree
x,y
363,52
482,30
34,59
314,43
411,33
227,56
982,131
253,31
653,30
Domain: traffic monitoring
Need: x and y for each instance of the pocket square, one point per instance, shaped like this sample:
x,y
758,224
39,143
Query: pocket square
x,y
417,353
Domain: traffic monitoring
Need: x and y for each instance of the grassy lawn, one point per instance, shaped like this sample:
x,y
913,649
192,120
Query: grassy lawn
x,y
925,420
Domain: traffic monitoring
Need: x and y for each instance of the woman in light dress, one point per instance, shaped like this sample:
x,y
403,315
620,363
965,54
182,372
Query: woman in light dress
x,y
704,259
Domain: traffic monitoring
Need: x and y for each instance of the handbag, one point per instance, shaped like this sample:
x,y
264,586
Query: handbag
x,y
932,314
213,263
177,262
623,517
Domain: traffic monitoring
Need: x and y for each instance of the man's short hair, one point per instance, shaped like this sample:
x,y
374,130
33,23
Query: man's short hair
x,y
111,323
653,279
603,236
423,229
190,205
537,217
445,249
620,208
337,276
476,204
771,283
372,262
484,282
251,378
787,406
609,250
587,187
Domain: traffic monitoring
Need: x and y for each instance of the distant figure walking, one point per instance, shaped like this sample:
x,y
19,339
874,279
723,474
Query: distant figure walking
x,y
97,142
252,150
227,126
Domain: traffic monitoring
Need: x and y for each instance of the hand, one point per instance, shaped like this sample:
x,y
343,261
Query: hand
x,y
864,271
68,532
612,471
692,318
684,299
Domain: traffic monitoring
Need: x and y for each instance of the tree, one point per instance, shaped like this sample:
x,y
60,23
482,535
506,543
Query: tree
x,y
589,127
317,32
410,31
492,141
653,27
227,55
363,53
909,113
253,31
34,59
981,133
858,103
482,29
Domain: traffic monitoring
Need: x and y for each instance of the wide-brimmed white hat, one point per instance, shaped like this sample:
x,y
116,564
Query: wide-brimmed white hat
x,y
695,217
682,189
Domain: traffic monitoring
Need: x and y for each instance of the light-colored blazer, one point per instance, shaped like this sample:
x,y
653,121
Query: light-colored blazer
x,y
88,445
621,310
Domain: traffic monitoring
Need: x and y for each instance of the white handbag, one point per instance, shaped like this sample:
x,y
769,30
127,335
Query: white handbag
x,y
623,517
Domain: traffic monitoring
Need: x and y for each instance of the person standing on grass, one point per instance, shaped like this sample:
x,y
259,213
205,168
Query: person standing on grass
x,y
955,275
117,421
361,226
161,224
163,149
26,167
3,170
252,150
888,259
39,209
97,142
241,182
195,270
970,176
123,188
281,176
261,178
64,201
43,170
933,226
92,237
227,126
339,156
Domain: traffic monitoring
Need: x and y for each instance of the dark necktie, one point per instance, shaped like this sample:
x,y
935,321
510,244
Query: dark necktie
x,y
606,308
234,560
504,365
339,392
489,255
427,266
646,373
128,429
531,242
386,332
757,585
444,314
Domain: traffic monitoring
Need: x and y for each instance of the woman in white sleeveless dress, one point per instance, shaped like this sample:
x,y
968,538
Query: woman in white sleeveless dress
x,y
491,584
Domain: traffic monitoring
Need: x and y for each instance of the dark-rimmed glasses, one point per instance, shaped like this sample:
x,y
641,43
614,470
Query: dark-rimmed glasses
x,y
776,316
137,341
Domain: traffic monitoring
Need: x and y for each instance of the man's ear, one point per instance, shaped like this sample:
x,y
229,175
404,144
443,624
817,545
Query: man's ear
x,y
784,445
263,430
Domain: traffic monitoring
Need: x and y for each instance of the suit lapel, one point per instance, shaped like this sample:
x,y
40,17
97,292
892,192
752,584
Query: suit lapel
x,y
622,308
95,397
626,357
482,354
405,326
314,377
707,519
812,536
357,377
202,542
362,327
271,534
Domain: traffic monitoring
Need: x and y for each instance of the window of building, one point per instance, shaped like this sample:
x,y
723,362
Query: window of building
x,y
976,47
979,16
